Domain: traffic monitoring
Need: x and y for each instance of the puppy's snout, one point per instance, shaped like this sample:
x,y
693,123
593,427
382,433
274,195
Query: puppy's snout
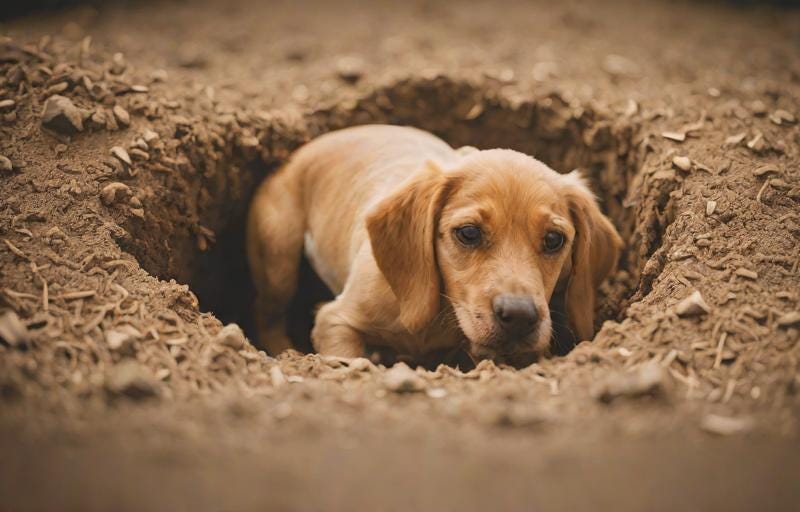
x,y
516,314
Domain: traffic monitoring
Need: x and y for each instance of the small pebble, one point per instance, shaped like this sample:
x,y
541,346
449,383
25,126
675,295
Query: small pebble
x,y
402,379
711,206
683,163
12,330
149,136
277,376
648,379
113,192
122,116
231,336
61,115
5,164
693,305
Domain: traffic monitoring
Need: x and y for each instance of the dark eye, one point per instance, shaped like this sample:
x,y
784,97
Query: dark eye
x,y
553,241
469,235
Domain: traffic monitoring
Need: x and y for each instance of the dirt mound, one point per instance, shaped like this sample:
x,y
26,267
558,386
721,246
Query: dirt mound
x,y
127,165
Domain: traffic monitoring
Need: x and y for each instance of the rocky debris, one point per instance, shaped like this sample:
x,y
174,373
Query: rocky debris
x,y
350,69
114,193
5,164
12,331
121,115
684,163
149,136
791,319
121,155
648,379
726,425
129,379
231,336
121,337
62,116
676,136
402,379
277,377
693,305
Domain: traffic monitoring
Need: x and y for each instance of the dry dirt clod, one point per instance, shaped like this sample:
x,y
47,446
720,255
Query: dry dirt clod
x,y
746,273
402,379
131,380
114,192
649,379
277,377
122,116
149,136
725,425
791,319
61,115
231,336
5,164
693,305
350,69
122,155
12,330
684,163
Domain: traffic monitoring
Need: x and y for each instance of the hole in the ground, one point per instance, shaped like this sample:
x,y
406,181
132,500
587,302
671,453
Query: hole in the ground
x,y
564,136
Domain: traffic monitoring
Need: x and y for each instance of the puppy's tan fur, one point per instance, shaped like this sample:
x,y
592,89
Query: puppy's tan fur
x,y
375,209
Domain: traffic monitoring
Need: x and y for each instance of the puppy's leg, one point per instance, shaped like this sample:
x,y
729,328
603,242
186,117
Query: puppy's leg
x,y
333,334
275,231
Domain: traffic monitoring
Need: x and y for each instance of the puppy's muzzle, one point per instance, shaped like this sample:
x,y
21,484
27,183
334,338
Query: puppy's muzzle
x,y
516,315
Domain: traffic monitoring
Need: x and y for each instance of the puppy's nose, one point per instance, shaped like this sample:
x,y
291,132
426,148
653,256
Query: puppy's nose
x,y
516,314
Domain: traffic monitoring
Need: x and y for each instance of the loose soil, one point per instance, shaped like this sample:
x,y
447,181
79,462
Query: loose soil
x,y
119,268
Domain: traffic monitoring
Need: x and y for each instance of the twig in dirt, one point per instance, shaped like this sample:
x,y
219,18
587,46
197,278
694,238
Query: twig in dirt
x,y
720,347
82,294
761,191
729,389
16,250
20,295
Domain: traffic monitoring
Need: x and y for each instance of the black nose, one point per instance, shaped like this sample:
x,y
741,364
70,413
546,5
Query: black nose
x,y
516,314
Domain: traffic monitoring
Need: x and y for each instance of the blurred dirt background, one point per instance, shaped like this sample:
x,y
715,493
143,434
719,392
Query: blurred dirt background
x,y
133,133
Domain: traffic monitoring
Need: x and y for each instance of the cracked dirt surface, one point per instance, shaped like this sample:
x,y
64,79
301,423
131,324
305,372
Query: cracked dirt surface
x,y
120,267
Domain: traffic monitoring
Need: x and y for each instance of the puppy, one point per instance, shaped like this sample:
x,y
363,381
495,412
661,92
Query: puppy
x,y
427,247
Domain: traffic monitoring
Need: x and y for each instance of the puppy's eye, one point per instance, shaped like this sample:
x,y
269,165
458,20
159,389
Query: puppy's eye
x,y
553,241
469,235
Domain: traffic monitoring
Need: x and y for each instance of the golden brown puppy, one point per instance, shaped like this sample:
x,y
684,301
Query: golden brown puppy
x,y
427,247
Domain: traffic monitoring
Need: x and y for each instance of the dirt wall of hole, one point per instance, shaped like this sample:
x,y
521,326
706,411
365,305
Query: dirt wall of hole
x,y
197,236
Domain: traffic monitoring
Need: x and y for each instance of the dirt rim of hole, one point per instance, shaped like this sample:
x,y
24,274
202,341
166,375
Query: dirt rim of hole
x,y
207,249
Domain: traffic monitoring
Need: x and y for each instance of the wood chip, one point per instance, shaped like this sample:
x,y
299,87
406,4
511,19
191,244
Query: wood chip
x,y
766,169
684,163
693,305
746,273
725,425
735,140
791,319
676,136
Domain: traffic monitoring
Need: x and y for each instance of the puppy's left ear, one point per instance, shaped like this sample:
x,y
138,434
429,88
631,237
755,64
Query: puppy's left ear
x,y
402,230
595,252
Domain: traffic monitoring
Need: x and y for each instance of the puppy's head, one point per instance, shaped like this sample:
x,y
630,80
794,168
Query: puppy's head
x,y
499,236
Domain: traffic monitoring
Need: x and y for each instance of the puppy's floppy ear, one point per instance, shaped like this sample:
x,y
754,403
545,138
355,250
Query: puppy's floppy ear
x,y
595,252
402,230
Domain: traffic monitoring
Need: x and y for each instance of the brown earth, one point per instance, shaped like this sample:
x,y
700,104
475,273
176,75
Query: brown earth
x,y
117,392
